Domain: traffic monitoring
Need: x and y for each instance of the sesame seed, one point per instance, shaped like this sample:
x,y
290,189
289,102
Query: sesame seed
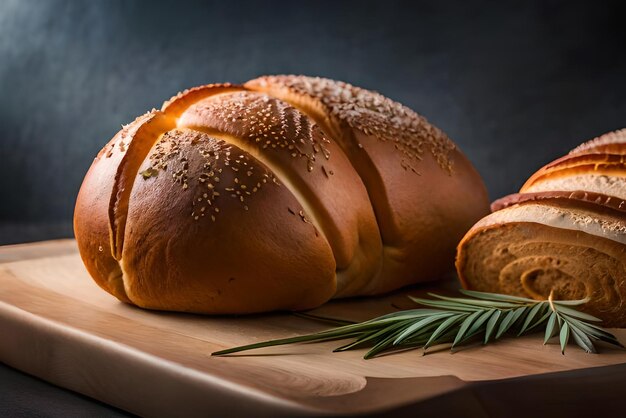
x,y
373,114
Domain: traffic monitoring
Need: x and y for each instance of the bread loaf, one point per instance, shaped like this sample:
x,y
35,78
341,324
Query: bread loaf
x,y
278,194
565,232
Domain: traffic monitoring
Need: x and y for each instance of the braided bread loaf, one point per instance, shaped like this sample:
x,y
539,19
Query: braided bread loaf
x,y
278,194
565,232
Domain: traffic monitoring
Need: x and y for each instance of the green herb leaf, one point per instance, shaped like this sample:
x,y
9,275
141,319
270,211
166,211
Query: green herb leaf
x,y
491,324
530,316
443,327
550,327
577,314
477,326
465,326
411,329
440,304
496,296
507,322
323,318
582,339
596,332
474,302
564,336
540,320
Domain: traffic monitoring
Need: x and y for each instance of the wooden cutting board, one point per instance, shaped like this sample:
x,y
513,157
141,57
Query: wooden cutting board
x,y
58,325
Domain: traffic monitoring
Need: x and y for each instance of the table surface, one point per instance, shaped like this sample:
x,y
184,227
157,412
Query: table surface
x,y
25,395
482,399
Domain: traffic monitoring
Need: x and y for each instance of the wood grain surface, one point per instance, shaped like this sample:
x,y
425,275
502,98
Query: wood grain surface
x,y
58,325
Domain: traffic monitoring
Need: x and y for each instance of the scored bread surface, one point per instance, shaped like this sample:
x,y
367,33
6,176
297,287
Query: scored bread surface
x,y
279,194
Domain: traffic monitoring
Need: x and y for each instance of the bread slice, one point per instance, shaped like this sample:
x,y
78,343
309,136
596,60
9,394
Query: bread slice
x,y
565,233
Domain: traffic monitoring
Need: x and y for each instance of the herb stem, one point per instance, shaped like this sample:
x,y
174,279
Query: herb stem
x,y
453,321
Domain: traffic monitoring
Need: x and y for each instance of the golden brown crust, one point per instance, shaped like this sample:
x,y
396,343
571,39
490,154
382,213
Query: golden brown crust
x,y
574,164
611,143
402,160
311,165
136,150
231,200
364,111
179,103
227,251
91,215
588,200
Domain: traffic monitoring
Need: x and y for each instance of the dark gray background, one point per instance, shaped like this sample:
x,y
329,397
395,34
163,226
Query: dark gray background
x,y
515,84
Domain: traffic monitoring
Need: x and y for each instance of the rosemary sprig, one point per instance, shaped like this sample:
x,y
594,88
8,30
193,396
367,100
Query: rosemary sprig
x,y
457,321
